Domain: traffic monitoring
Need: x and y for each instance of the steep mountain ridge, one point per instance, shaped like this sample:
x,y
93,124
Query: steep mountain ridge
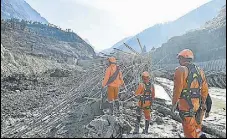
x,y
20,9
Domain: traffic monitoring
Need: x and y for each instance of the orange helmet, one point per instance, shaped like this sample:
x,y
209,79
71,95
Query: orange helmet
x,y
145,74
112,59
186,53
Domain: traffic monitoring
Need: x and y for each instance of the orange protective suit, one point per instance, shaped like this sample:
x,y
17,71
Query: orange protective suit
x,y
199,126
190,126
112,93
144,106
208,105
113,88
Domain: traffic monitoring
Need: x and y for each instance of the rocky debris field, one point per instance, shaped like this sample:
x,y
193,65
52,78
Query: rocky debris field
x,y
39,106
163,124
66,103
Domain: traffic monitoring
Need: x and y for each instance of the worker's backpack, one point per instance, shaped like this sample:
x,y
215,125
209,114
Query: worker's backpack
x,y
145,96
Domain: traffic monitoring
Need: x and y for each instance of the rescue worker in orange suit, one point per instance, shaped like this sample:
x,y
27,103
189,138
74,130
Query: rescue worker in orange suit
x,y
206,114
189,93
146,94
113,79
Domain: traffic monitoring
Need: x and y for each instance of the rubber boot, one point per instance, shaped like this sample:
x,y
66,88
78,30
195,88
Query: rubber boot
x,y
145,131
117,105
111,108
203,136
137,126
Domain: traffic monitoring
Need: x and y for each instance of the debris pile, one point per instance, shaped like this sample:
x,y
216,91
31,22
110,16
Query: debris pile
x,y
107,126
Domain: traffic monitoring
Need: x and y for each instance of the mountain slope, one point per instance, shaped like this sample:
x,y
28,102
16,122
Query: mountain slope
x,y
35,48
218,21
158,34
207,43
21,10
109,50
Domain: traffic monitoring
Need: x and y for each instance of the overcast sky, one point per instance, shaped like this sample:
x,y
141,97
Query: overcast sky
x,y
105,22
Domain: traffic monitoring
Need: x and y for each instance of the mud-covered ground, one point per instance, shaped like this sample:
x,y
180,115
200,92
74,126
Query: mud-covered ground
x,y
50,105
162,125
60,103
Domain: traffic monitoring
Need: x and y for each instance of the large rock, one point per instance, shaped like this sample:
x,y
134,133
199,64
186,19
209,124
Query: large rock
x,y
60,73
107,126
159,120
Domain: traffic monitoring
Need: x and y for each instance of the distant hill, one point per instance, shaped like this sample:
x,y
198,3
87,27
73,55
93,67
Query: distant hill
x,y
109,50
207,43
87,41
20,9
32,48
158,34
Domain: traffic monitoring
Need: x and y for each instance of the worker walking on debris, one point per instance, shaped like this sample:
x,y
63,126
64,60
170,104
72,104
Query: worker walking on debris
x,y
146,94
189,93
113,79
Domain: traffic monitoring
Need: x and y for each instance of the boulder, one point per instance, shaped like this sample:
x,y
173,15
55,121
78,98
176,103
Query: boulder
x,y
107,126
